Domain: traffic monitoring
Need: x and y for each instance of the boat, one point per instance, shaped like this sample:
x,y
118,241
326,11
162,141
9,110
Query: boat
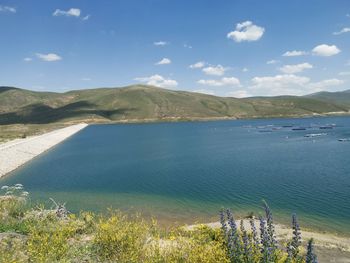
x,y
299,129
344,140
326,127
312,135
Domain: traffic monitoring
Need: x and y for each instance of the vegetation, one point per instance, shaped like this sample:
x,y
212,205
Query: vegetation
x,y
147,103
37,235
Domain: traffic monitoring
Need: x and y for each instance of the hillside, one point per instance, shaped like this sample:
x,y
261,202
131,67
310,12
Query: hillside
x,y
144,103
340,98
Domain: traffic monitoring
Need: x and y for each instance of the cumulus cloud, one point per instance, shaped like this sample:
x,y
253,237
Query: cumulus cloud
x,y
214,70
291,69
205,91
199,64
27,59
321,85
160,43
289,84
7,9
325,50
246,31
231,81
71,12
49,57
159,81
272,61
164,61
344,30
294,53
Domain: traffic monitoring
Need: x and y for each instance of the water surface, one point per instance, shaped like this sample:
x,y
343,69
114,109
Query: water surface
x,y
185,172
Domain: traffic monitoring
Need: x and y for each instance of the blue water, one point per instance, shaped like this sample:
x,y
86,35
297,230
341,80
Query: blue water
x,y
185,172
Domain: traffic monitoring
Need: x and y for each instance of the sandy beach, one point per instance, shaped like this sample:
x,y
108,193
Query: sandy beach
x,y
17,152
330,247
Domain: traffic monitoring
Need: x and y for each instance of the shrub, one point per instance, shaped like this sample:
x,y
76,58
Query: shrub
x,y
120,239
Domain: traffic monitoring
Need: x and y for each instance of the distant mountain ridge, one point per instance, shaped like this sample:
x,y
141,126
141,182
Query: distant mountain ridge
x,y
148,103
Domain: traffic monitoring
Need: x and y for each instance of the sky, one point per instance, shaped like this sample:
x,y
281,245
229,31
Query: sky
x,y
224,47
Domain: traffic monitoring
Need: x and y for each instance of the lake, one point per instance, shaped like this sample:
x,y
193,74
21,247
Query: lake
x,y
185,172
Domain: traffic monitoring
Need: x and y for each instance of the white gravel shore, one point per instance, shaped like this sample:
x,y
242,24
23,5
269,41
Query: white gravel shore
x,y
15,153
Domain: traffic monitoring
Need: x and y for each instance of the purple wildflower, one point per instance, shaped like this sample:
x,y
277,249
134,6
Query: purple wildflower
x,y
270,227
246,244
310,255
254,232
223,223
296,240
234,244
265,242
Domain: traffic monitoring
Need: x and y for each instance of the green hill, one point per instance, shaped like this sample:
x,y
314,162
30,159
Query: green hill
x,y
147,103
340,98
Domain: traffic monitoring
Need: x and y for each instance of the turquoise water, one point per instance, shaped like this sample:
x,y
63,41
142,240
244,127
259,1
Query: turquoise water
x,y
185,172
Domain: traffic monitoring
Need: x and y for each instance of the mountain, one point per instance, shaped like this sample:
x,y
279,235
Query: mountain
x,y
340,97
147,103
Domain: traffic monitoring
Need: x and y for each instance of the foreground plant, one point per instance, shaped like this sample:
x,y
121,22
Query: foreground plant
x,y
36,234
247,247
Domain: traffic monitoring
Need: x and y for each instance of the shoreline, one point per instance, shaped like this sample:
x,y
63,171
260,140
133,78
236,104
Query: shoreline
x,y
17,152
225,118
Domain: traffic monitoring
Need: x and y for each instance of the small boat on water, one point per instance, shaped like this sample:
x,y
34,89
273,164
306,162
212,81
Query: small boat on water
x,y
312,135
287,126
344,140
326,127
299,129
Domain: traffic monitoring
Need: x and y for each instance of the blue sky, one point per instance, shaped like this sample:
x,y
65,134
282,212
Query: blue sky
x,y
227,48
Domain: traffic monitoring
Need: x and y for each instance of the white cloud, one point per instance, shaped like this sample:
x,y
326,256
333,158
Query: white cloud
x,y
205,91
289,84
27,59
344,73
71,12
272,62
7,9
245,69
344,30
187,46
199,64
49,57
164,61
86,79
160,43
321,85
232,81
294,53
159,81
291,69
326,50
214,70
87,17
238,94
246,31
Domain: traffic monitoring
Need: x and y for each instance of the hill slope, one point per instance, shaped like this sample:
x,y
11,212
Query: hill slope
x,y
140,103
340,97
